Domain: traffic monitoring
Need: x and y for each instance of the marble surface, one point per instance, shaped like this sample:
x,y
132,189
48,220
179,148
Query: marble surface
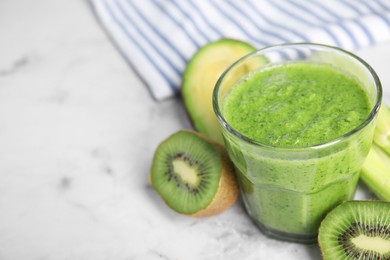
x,y
78,130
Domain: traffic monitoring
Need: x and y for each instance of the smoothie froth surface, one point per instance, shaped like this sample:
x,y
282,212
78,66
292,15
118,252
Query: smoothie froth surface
x,y
297,104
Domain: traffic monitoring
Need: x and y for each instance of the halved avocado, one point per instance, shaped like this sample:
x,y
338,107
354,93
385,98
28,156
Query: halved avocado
x,y
200,77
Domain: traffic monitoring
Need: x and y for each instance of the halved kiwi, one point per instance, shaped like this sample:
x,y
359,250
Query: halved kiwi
x,y
193,175
356,230
199,79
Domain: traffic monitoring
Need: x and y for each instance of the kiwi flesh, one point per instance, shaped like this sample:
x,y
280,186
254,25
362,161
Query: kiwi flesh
x,y
193,175
356,230
199,79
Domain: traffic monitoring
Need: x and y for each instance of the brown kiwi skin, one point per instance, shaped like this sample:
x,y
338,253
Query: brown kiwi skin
x,y
227,192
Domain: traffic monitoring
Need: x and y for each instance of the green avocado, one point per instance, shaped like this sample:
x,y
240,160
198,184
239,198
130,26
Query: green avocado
x,y
199,79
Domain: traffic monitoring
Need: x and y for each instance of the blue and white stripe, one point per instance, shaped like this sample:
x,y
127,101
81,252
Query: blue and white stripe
x,y
158,37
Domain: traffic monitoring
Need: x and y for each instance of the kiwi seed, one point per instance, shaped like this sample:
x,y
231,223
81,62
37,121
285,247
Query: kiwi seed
x,y
356,230
193,175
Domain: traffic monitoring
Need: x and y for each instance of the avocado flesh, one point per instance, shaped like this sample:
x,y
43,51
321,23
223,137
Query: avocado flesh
x,y
200,77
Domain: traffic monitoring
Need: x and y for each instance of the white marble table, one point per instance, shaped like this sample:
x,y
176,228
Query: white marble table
x,y
78,130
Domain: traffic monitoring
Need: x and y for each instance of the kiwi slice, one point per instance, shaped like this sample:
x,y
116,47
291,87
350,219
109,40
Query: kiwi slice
x,y
193,175
199,79
356,230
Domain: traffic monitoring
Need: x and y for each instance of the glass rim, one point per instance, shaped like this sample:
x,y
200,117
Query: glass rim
x,y
369,118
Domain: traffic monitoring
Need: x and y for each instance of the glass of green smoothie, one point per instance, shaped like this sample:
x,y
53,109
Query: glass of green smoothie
x,y
298,122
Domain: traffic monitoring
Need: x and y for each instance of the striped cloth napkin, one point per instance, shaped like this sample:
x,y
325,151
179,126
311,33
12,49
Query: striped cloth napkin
x,y
158,37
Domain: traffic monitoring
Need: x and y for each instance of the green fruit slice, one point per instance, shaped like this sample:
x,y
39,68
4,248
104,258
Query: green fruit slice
x,y
356,230
200,77
193,175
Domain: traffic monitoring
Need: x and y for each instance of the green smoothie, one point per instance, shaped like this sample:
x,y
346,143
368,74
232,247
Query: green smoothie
x,y
289,176
296,105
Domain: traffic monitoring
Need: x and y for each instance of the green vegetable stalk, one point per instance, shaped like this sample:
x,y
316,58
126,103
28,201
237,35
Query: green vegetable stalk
x,y
376,168
376,172
382,130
